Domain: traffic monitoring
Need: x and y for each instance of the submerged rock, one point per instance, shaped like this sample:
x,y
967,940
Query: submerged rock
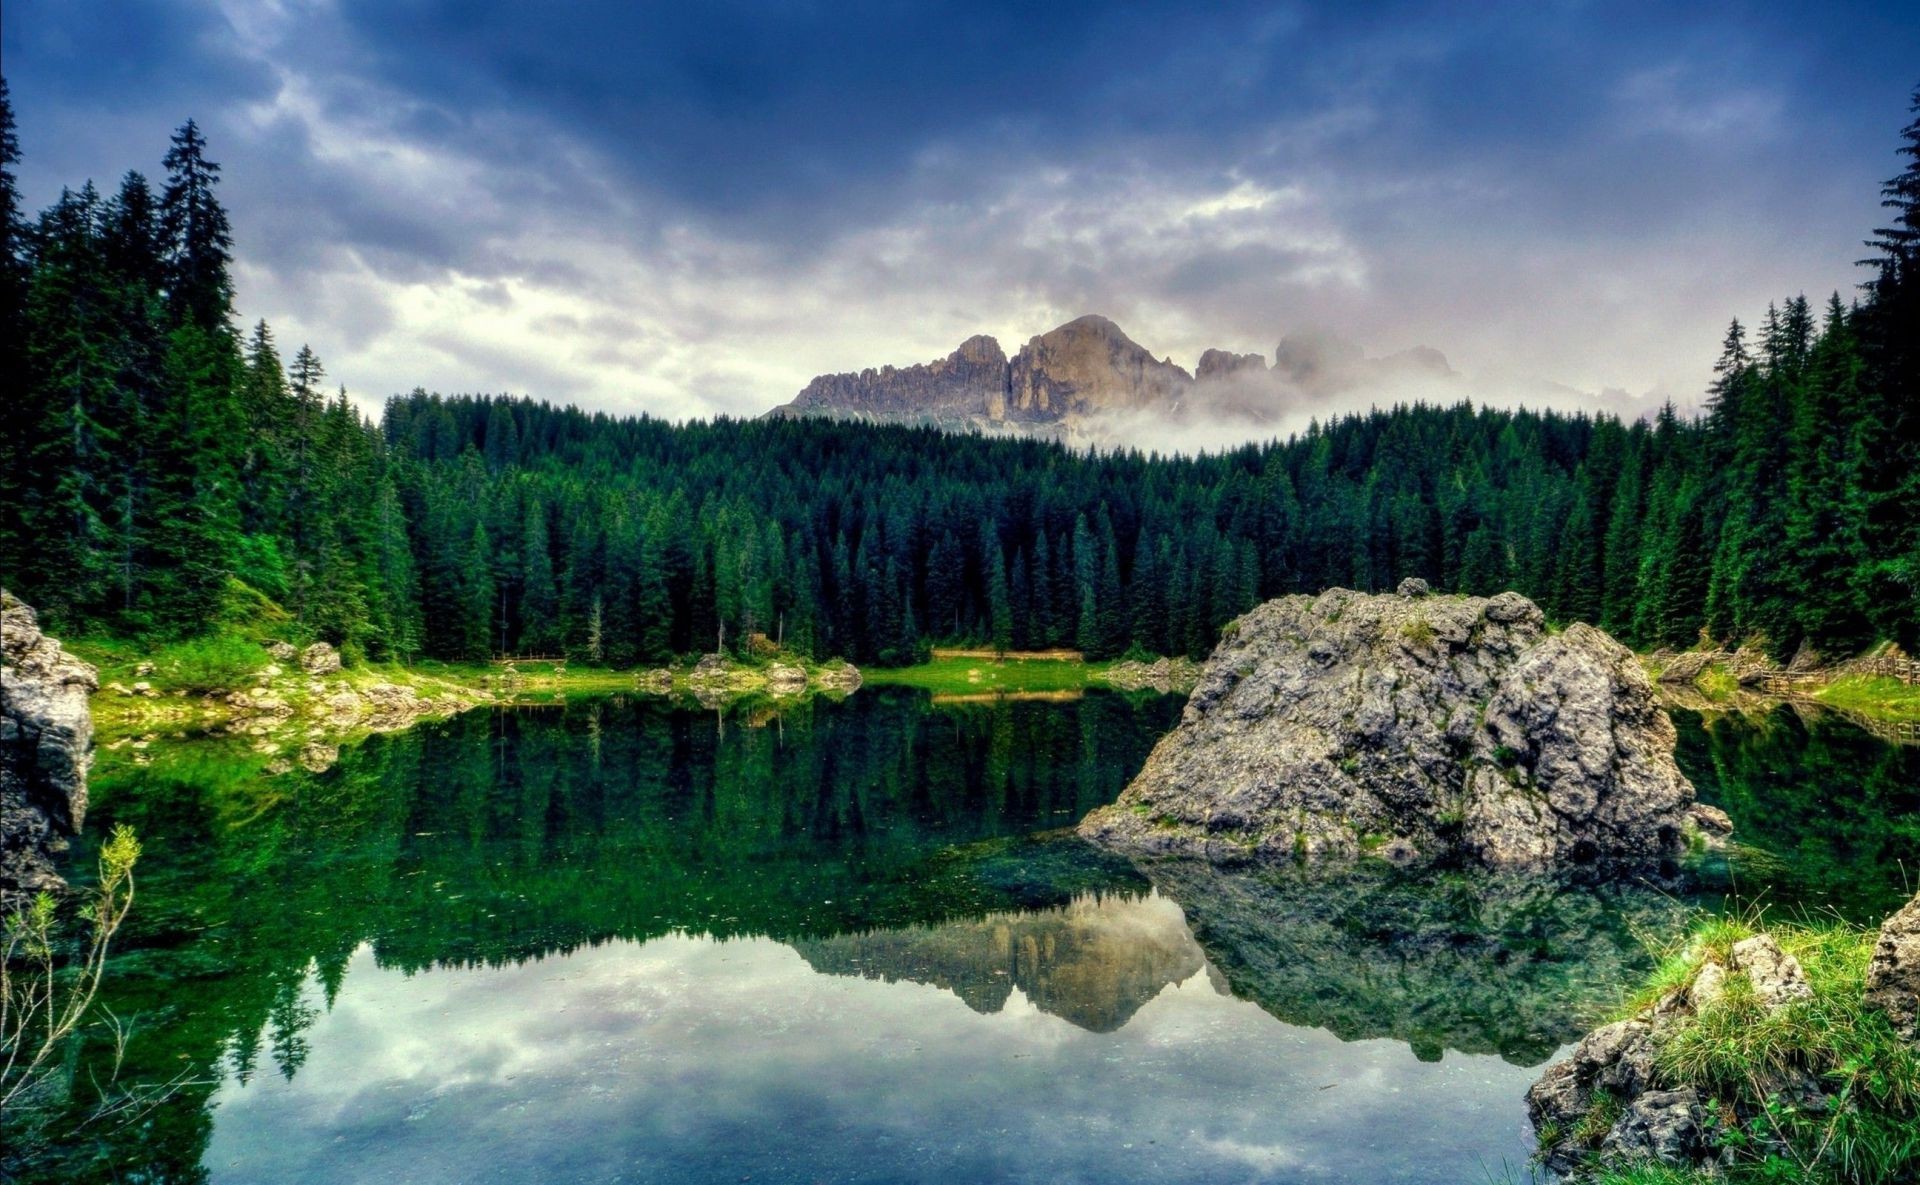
x,y
1414,727
46,737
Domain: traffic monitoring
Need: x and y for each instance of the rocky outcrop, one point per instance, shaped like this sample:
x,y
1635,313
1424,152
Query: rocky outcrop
x,y
320,659
1416,728
46,736
1893,977
954,390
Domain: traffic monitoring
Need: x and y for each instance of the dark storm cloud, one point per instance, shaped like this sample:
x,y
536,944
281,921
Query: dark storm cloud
x,y
693,207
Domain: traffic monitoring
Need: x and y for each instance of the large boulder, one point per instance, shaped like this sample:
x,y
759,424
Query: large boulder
x,y
46,738
1416,728
1893,977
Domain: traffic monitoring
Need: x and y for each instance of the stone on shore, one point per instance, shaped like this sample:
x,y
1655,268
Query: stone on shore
x,y
46,739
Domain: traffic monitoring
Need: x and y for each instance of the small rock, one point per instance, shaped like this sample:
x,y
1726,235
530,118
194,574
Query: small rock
x,y
842,676
1777,976
786,680
1685,668
145,688
320,659
145,668
282,651
1709,984
1413,586
318,758
1712,823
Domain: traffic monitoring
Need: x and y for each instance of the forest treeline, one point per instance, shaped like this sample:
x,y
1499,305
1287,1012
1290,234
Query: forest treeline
x,y
157,457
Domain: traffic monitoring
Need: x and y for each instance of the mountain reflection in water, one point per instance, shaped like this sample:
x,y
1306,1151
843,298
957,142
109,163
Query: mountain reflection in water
x,y
614,941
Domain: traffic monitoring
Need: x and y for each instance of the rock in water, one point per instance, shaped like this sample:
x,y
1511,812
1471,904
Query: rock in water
x,y
1415,727
45,741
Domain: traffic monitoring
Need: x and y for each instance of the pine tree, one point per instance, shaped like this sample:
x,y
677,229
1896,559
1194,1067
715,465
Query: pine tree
x,y
197,232
999,598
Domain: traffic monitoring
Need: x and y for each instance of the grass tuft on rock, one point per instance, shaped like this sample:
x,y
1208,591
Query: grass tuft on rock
x,y
1821,1090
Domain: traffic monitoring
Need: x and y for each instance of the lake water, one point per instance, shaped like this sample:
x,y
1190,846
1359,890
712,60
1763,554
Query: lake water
x,y
617,941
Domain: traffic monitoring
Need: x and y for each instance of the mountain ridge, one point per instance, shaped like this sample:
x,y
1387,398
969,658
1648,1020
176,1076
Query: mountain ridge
x,y
1083,380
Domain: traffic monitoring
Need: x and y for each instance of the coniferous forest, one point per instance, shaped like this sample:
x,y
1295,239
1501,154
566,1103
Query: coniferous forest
x,y
160,459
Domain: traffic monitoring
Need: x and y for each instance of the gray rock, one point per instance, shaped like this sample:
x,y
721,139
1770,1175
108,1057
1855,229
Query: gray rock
x,y
1664,1125
1685,668
1433,727
843,676
1776,976
319,659
1893,977
46,740
282,651
783,679
1413,586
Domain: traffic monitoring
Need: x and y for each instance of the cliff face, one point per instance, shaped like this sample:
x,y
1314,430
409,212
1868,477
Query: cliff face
x,y
1086,367
1417,728
45,740
1087,380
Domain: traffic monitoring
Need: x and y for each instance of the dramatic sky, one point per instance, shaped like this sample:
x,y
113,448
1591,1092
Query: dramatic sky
x,y
691,208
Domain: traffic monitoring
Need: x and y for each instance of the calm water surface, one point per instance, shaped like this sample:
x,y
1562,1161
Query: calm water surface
x,y
616,941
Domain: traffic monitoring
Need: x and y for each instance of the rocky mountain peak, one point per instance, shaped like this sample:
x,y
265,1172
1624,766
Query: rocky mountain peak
x,y
1221,364
1082,379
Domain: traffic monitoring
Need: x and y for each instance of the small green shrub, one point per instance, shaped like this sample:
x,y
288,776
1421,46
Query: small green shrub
x,y
1419,632
218,663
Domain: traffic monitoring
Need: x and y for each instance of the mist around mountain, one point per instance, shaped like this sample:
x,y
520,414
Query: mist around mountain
x,y
1088,384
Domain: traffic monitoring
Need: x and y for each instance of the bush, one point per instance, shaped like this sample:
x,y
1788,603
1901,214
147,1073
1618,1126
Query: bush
x,y
218,663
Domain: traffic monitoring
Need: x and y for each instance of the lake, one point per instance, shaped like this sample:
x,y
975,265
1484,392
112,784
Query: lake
x,y
615,940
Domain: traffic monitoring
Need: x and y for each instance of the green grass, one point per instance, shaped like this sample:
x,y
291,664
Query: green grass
x,y
1742,1057
1881,696
1717,683
977,676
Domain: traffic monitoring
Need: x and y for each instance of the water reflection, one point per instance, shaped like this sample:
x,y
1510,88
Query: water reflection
x,y
1093,963
847,942
698,1059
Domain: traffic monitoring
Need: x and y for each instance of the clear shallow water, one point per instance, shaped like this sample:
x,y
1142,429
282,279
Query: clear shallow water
x,y
617,942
